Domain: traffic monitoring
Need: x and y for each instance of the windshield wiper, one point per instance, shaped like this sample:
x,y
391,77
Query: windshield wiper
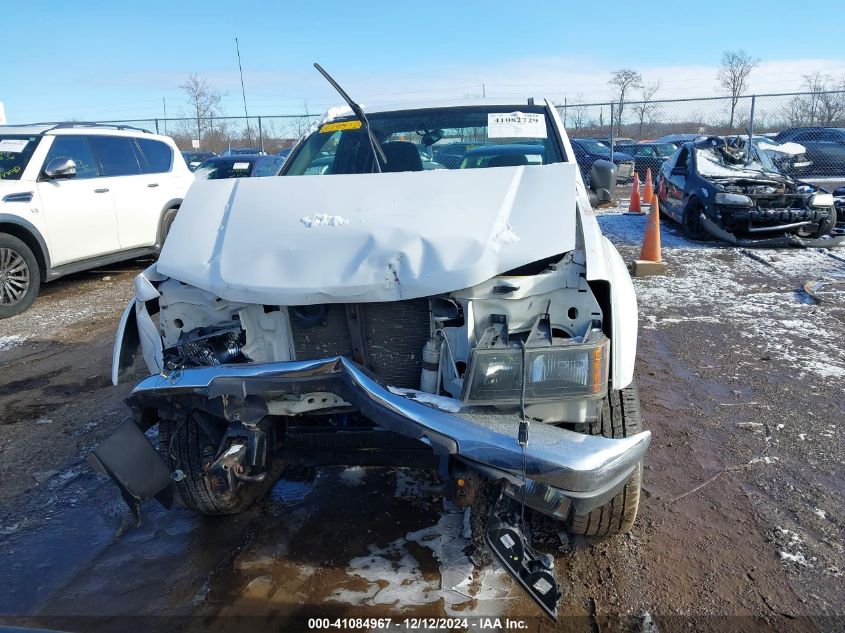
x,y
378,152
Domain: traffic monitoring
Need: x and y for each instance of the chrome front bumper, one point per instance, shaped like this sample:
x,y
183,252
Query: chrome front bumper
x,y
588,469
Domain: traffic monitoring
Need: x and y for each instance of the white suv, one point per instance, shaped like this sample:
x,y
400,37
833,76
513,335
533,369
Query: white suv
x,y
75,195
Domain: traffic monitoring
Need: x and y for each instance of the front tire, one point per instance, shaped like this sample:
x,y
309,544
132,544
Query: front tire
x,y
620,417
167,222
20,276
692,222
825,227
186,447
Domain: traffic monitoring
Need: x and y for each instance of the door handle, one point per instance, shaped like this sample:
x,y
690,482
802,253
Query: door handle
x,y
153,184
101,190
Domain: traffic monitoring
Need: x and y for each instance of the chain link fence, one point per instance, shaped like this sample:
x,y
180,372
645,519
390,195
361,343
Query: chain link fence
x,y
269,134
803,133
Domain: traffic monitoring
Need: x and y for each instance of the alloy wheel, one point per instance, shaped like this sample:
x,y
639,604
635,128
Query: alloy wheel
x,y
14,276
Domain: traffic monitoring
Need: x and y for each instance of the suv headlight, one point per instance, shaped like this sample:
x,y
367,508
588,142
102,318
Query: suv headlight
x,y
554,373
733,199
821,200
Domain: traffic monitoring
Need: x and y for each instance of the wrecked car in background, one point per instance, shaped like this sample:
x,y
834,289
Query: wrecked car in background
x,y
715,188
471,320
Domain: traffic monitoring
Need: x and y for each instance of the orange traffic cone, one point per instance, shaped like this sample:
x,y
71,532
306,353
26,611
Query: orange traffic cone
x,y
648,191
651,261
634,206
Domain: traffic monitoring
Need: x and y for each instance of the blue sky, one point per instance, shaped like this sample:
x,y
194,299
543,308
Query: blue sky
x,y
99,60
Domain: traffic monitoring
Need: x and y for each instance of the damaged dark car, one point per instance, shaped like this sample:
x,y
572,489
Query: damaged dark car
x,y
717,189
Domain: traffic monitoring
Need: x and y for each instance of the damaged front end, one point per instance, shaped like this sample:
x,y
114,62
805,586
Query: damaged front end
x,y
747,202
755,213
456,373
494,382
393,384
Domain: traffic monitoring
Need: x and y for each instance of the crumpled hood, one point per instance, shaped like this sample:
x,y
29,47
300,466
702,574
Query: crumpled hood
x,y
297,240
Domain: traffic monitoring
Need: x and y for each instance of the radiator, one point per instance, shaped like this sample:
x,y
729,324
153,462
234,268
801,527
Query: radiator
x,y
394,334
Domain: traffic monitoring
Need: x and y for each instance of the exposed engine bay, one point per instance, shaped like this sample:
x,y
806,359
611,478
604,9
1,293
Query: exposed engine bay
x,y
421,344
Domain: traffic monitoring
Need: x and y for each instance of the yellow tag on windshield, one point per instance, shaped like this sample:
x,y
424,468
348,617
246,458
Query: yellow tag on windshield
x,y
340,125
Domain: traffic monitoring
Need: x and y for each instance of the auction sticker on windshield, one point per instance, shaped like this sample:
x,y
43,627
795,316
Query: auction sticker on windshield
x,y
516,125
13,145
340,125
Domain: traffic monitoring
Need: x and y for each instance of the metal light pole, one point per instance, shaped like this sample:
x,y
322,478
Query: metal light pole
x,y
243,91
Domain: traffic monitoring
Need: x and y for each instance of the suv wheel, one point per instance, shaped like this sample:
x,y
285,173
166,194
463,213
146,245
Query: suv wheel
x,y
20,277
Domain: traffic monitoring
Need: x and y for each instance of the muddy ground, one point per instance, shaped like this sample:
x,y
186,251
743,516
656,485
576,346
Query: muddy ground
x,y
741,375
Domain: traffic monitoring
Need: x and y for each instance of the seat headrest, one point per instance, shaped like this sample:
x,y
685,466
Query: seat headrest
x,y
508,160
401,156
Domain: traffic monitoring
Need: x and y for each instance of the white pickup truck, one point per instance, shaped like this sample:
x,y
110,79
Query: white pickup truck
x,y
451,305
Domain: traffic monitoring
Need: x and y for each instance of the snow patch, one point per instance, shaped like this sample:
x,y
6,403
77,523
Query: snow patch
x,y
323,219
8,342
506,235
794,558
438,402
394,577
764,460
353,476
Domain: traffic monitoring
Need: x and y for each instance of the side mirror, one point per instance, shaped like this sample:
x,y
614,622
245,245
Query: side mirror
x,y
602,181
59,168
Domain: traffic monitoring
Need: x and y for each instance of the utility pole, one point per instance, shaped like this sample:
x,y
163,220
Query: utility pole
x,y
243,91
164,105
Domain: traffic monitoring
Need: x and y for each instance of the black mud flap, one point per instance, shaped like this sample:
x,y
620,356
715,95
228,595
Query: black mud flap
x,y
534,572
134,465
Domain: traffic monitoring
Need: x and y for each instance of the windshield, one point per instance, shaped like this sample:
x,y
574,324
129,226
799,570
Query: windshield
x,y
15,152
221,169
664,150
441,138
726,162
593,146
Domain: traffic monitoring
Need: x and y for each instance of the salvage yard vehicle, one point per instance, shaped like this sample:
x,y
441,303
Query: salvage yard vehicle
x,y
824,147
242,166
195,159
74,196
588,151
474,321
717,189
648,156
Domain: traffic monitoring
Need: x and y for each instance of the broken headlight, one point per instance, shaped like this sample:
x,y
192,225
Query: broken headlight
x,y
821,200
206,347
733,200
556,372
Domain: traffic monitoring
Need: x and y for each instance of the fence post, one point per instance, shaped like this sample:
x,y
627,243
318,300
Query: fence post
x,y
260,135
611,131
156,126
751,128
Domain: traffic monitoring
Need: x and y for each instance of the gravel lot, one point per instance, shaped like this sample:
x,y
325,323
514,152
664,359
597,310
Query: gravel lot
x,y
741,526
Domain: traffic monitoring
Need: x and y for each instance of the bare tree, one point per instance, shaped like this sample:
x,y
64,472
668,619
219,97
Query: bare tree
x,y
203,102
733,76
624,81
645,109
822,106
574,113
